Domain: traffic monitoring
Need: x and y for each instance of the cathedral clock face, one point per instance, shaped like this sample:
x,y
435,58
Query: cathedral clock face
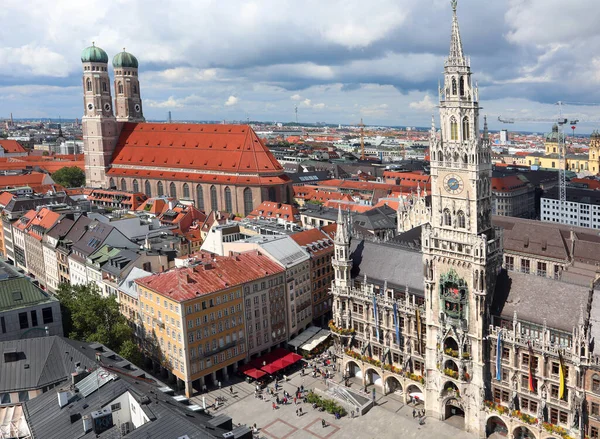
x,y
90,106
137,108
107,107
453,184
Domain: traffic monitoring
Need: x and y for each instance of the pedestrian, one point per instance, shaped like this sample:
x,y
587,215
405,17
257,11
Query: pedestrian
x,y
274,406
300,411
414,413
295,403
323,423
219,384
296,412
352,414
231,390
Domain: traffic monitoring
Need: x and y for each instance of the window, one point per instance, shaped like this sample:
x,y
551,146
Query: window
x,y
595,409
120,88
136,187
525,268
186,191
228,203
509,262
465,127
593,433
123,184
89,85
272,194
159,189
23,322
462,86
115,407
541,269
147,189
3,325
453,129
199,197
173,190
596,383
104,88
447,218
461,219
111,183
34,321
248,204
47,316
213,198
454,86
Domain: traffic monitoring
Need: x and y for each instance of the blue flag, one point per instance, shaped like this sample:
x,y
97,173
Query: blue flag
x,y
375,315
499,357
396,323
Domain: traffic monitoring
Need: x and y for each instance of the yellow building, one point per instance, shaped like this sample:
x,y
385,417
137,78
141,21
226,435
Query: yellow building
x,y
193,317
574,162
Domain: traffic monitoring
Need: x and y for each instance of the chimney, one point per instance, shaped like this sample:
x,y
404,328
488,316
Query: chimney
x,y
63,399
87,423
171,205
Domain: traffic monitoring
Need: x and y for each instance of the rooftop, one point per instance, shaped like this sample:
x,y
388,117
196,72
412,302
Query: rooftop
x,y
20,292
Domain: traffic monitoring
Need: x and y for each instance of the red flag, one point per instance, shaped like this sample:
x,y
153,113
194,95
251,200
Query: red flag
x,y
531,382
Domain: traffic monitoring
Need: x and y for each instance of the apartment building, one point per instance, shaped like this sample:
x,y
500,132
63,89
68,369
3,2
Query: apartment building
x,y
319,245
582,208
42,221
50,243
513,195
193,318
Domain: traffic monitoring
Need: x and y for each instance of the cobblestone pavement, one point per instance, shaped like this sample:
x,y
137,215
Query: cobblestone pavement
x,y
390,418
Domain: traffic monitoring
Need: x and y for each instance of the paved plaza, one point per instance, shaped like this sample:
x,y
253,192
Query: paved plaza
x,y
390,418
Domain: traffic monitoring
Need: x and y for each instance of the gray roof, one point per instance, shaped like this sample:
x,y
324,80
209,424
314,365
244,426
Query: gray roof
x,y
127,286
41,361
381,262
20,292
117,264
537,298
376,219
285,251
61,228
93,237
76,232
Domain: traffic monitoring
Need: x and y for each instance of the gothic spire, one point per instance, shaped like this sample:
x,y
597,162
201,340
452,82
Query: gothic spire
x,y
486,134
456,50
341,234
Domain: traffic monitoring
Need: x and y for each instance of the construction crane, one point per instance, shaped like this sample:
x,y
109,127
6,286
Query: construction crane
x,y
362,139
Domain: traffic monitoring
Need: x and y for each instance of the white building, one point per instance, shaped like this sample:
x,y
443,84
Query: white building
x,y
582,208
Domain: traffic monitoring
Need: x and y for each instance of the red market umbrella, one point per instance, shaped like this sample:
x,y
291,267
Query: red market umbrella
x,y
271,368
255,373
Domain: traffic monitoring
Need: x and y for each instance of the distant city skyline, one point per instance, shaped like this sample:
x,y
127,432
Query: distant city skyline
x,y
335,62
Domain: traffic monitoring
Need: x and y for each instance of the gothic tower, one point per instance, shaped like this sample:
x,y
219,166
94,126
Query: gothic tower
x,y
342,264
461,250
128,102
98,122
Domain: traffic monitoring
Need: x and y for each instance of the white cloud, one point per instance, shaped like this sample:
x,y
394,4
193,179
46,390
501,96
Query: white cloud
x,y
296,97
426,104
319,106
231,100
306,102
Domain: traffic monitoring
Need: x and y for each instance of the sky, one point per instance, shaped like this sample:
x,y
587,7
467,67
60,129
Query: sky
x,y
337,61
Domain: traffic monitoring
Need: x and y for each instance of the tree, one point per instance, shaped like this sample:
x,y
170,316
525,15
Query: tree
x,y
69,176
89,316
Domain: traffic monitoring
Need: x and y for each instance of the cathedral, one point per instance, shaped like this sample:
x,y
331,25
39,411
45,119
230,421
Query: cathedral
x,y
498,353
216,167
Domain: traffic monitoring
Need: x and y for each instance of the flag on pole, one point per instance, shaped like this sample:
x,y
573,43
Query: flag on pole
x,y
499,357
376,315
561,375
396,323
531,382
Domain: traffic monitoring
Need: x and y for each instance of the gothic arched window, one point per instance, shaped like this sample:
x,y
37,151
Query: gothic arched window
x,y
465,128
111,182
160,191
272,194
134,89
461,219
228,203
172,190
88,85
447,218
123,184
186,191
214,205
454,86
104,88
462,86
248,205
136,187
148,189
200,197
453,129
120,88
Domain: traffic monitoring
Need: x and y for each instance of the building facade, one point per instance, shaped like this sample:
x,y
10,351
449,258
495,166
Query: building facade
x,y
513,196
582,208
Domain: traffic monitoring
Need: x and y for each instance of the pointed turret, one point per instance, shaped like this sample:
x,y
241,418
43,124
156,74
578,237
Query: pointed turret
x,y
341,234
456,50
486,134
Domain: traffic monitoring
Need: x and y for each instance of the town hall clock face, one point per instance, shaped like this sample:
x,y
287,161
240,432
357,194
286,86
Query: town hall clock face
x,y
453,184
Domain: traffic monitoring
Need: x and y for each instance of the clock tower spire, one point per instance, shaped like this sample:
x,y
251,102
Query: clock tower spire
x,y
461,250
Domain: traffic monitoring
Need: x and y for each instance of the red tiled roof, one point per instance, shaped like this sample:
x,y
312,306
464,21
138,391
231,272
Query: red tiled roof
x,y
33,178
330,230
11,146
272,210
5,198
507,184
45,218
214,273
24,221
590,183
354,207
224,148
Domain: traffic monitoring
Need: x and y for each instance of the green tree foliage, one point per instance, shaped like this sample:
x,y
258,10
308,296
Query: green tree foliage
x,y
89,316
69,176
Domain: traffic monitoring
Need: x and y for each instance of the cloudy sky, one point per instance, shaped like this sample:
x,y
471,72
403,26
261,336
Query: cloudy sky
x,y
336,60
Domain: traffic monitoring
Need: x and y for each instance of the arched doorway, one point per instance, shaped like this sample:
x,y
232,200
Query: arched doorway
x,y
353,370
451,347
392,385
523,433
373,378
495,428
454,413
451,369
416,394
450,389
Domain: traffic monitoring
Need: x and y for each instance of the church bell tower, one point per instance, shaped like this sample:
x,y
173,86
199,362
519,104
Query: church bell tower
x,y
98,122
461,250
